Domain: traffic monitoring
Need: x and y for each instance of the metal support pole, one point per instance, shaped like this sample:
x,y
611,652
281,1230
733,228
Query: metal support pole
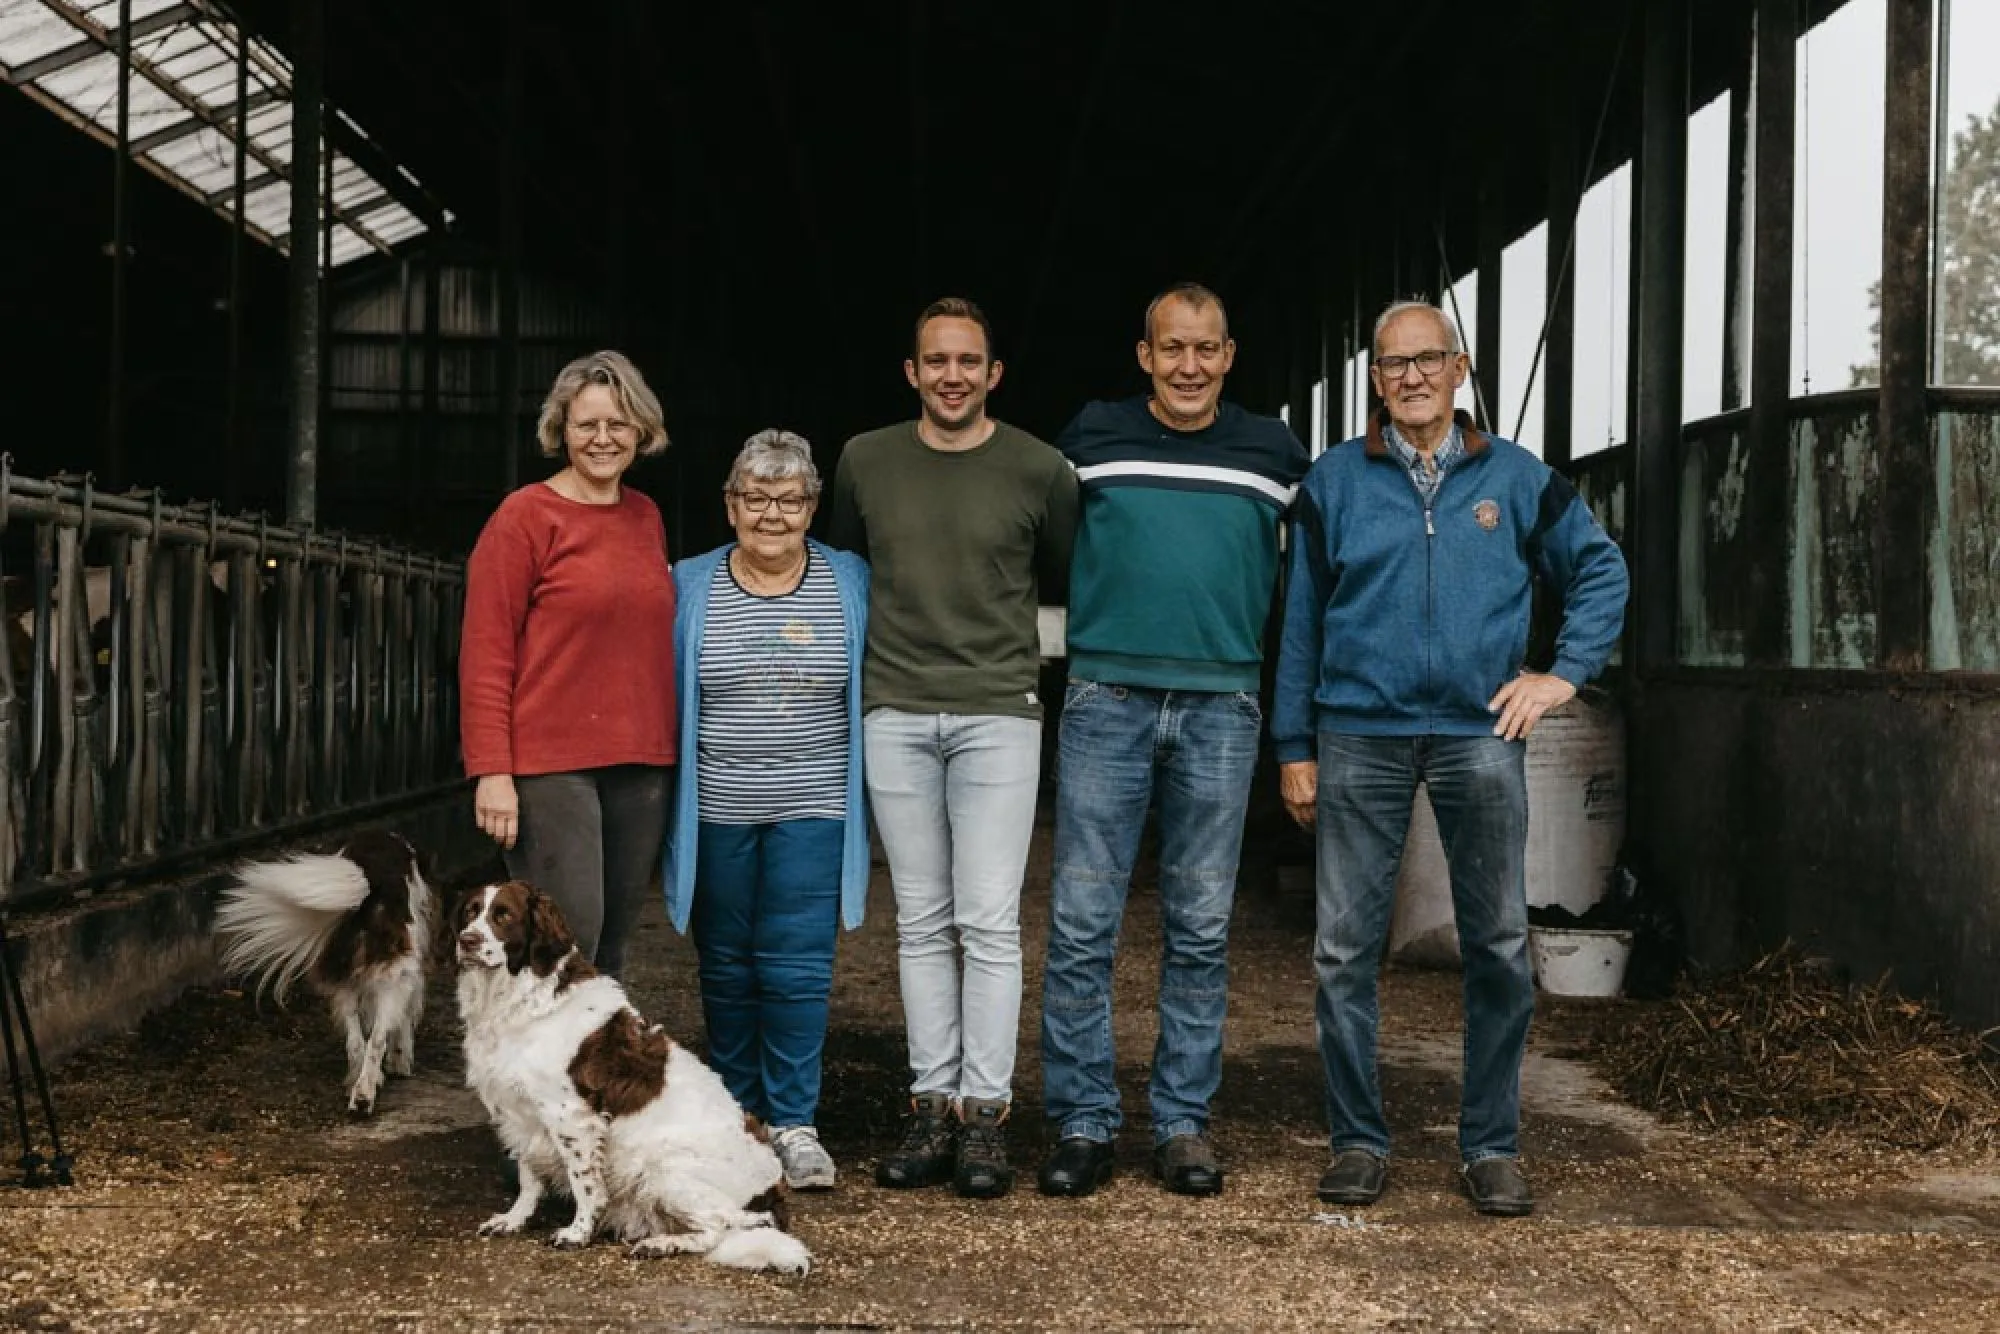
x,y
233,435
1492,242
1903,521
1301,356
121,161
431,436
1768,489
1559,348
509,347
1737,242
408,446
326,224
302,470
1660,262
1332,366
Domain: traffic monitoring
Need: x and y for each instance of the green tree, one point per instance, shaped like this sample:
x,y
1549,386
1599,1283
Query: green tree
x,y
1968,248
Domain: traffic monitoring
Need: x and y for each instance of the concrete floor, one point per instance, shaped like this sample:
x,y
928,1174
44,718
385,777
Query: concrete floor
x,y
221,1187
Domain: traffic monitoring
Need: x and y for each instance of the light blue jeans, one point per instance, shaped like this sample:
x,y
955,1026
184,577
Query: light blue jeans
x,y
1120,747
954,801
1479,790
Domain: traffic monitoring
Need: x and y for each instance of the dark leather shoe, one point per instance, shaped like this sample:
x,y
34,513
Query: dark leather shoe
x,y
1186,1165
1497,1187
1077,1167
1355,1176
929,1150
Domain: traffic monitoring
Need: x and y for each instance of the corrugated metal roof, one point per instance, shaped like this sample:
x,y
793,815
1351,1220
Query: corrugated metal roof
x,y
182,111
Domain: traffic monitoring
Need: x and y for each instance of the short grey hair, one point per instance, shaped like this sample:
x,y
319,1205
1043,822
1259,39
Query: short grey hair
x,y
773,455
1395,308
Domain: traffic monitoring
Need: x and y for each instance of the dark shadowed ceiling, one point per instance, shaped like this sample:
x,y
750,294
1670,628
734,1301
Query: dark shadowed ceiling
x,y
758,196
768,191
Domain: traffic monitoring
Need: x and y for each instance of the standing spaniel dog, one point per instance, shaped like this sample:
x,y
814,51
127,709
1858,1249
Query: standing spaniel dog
x,y
357,924
592,1100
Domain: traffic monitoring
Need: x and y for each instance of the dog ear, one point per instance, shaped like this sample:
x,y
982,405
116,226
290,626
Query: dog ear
x,y
444,931
549,940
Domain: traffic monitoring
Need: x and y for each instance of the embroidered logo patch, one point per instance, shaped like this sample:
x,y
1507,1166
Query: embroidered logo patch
x,y
1487,515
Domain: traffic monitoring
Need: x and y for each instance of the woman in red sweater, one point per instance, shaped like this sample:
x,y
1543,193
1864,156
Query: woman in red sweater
x,y
566,664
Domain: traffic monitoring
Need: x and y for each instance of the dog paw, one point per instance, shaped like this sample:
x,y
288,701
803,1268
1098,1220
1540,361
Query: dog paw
x,y
361,1105
654,1247
571,1238
500,1225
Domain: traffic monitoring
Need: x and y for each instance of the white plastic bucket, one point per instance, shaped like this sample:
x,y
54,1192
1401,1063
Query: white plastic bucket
x,y
1579,963
1576,801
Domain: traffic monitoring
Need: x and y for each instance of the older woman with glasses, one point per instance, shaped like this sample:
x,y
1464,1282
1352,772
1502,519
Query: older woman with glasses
x,y
767,844
566,670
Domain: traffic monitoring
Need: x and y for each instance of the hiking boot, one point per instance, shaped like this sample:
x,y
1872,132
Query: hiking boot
x,y
1497,1187
983,1173
1186,1165
1355,1176
808,1166
929,1149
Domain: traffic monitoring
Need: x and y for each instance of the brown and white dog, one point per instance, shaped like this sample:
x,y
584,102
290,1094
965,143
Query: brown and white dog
x,y
596,1103
357,924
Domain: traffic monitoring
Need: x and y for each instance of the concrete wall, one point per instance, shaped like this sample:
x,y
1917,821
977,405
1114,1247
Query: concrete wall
x,y
98,966
1814,798
1854,818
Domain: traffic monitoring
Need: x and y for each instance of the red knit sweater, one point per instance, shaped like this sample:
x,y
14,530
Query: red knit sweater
x,y
566,659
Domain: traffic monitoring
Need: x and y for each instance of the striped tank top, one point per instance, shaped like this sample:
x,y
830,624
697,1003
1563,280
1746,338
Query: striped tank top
x,y
773,741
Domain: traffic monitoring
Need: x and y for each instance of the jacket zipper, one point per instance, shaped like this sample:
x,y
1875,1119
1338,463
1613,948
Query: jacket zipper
x,y
1430,600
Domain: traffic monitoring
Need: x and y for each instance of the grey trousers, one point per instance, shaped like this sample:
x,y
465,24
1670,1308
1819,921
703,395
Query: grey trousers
x,y
592,840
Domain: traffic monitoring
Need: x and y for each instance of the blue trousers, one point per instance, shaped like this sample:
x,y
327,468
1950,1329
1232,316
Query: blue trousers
x,y
766,912
1479,790
1122,747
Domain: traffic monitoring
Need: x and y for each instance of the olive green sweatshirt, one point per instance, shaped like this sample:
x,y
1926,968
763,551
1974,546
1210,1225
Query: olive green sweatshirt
x,y
961,546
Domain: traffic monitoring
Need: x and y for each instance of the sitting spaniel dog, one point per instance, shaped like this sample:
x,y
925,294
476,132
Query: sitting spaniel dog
x,y
593,1101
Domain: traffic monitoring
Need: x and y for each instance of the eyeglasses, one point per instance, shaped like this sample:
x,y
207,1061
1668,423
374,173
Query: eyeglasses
x,y
757,502
1428,362
611,426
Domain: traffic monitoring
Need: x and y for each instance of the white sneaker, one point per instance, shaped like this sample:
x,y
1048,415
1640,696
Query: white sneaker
x,y
807,1165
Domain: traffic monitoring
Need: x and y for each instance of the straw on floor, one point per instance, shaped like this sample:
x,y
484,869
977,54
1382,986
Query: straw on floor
x,y
1785,1044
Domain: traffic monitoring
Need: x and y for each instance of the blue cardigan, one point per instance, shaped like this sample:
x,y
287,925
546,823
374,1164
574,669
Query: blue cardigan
x,y
691,583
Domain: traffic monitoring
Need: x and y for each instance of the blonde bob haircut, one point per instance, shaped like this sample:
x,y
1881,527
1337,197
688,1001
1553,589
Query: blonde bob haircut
x,y
615,371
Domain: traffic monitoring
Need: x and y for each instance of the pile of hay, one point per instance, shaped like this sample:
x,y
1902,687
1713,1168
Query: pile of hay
x,y
1785,1046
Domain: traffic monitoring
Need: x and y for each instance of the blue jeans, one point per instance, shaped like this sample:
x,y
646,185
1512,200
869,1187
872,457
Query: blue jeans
x,y
1479,791
1118,745
954,801
766,911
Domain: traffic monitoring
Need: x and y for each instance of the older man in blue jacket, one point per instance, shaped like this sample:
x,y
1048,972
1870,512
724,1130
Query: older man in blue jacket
x,y
1414,555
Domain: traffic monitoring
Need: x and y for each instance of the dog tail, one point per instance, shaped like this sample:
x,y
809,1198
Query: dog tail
x,y
277,918
762,1248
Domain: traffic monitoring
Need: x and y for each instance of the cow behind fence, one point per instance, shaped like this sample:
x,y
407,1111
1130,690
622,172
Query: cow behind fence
x,y
178,684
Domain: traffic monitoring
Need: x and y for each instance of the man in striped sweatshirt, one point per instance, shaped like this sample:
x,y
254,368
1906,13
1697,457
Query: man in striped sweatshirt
x,y
1176,560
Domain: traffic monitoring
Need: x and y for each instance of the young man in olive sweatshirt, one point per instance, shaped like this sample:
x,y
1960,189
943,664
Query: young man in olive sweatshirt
x,y
1176,563
961,518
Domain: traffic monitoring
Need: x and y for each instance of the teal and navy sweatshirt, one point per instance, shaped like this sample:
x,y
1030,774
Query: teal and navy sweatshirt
x,y
1404,617
1177,546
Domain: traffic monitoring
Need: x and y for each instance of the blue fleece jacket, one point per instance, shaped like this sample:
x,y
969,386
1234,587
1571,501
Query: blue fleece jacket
x,y
1403,619
692,579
